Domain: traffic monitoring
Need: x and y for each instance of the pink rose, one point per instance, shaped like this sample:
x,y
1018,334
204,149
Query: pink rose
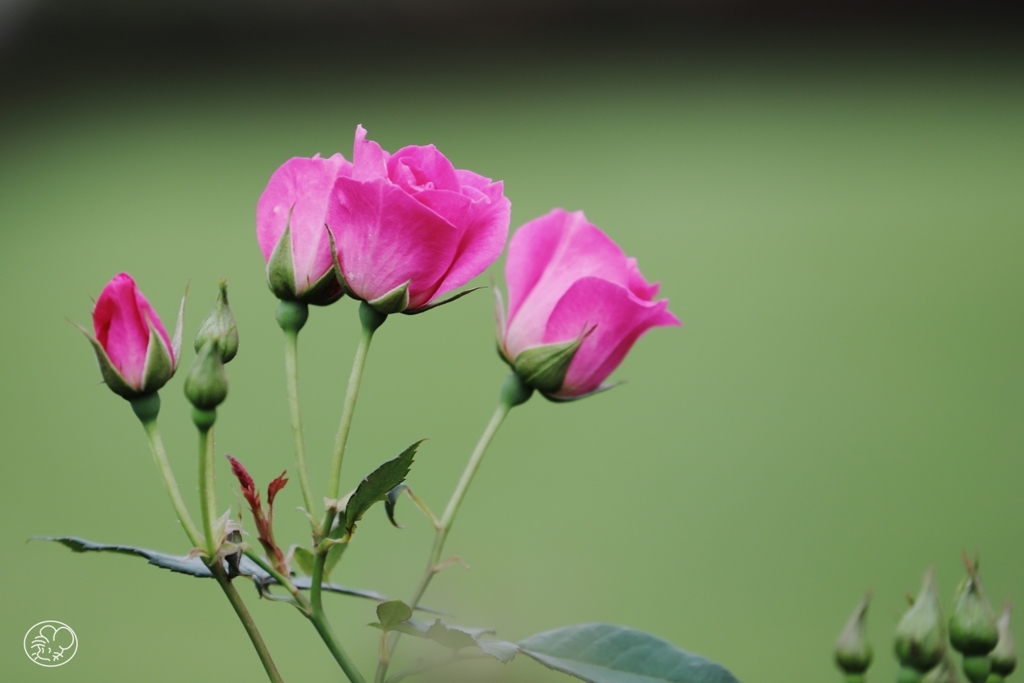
x,y
295,203
135,354
409,227
576,305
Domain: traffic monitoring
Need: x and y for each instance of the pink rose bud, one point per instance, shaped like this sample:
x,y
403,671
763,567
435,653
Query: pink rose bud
x,y
135,355
576,305
409,227
291,228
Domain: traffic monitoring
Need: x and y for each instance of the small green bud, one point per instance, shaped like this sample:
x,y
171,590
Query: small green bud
x,y
921,633
206,386
972,628
977,668
853,651
220,327
1004,656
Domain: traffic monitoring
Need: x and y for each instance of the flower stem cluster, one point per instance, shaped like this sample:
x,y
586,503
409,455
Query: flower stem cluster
x,y
398,232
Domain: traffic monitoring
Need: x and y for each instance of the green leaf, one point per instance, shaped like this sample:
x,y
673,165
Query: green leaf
x,y
502,650
450,636
392,612
375,487
601,653
305,559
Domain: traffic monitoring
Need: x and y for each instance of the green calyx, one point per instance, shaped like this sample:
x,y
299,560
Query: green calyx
x,y
853,651
146,407
921,633
220,327
514,391
395,301
370,318
282,282
159,366
972,628
544,367
292,315
206,386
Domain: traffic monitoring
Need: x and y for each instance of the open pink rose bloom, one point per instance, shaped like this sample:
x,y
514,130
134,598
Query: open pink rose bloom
x,y
572,290
408,227
135,354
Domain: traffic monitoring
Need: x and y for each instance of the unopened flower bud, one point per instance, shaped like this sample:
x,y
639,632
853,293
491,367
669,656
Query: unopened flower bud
x,y
972,628
921,633
1004,656
220,327
853,651
206,386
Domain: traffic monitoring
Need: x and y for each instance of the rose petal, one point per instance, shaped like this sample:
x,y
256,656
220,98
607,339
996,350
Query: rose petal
x,y
618,319
369,161
384,238
415,168
546,256
482,241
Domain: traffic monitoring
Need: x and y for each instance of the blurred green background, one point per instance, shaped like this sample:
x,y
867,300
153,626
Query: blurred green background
x,y
839,224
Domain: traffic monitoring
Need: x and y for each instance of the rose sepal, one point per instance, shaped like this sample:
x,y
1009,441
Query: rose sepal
x,y
454,297
159,362
111,377
544,367
280,268
395,301
281,276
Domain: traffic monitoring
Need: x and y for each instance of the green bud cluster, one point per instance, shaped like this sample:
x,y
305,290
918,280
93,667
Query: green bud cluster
x,y
206,385
925,641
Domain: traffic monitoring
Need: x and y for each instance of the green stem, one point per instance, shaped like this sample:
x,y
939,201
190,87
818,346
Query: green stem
x,y
250,626
319,619
513,393
300,600
156,444
322,626
291,364
370,320
207,491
